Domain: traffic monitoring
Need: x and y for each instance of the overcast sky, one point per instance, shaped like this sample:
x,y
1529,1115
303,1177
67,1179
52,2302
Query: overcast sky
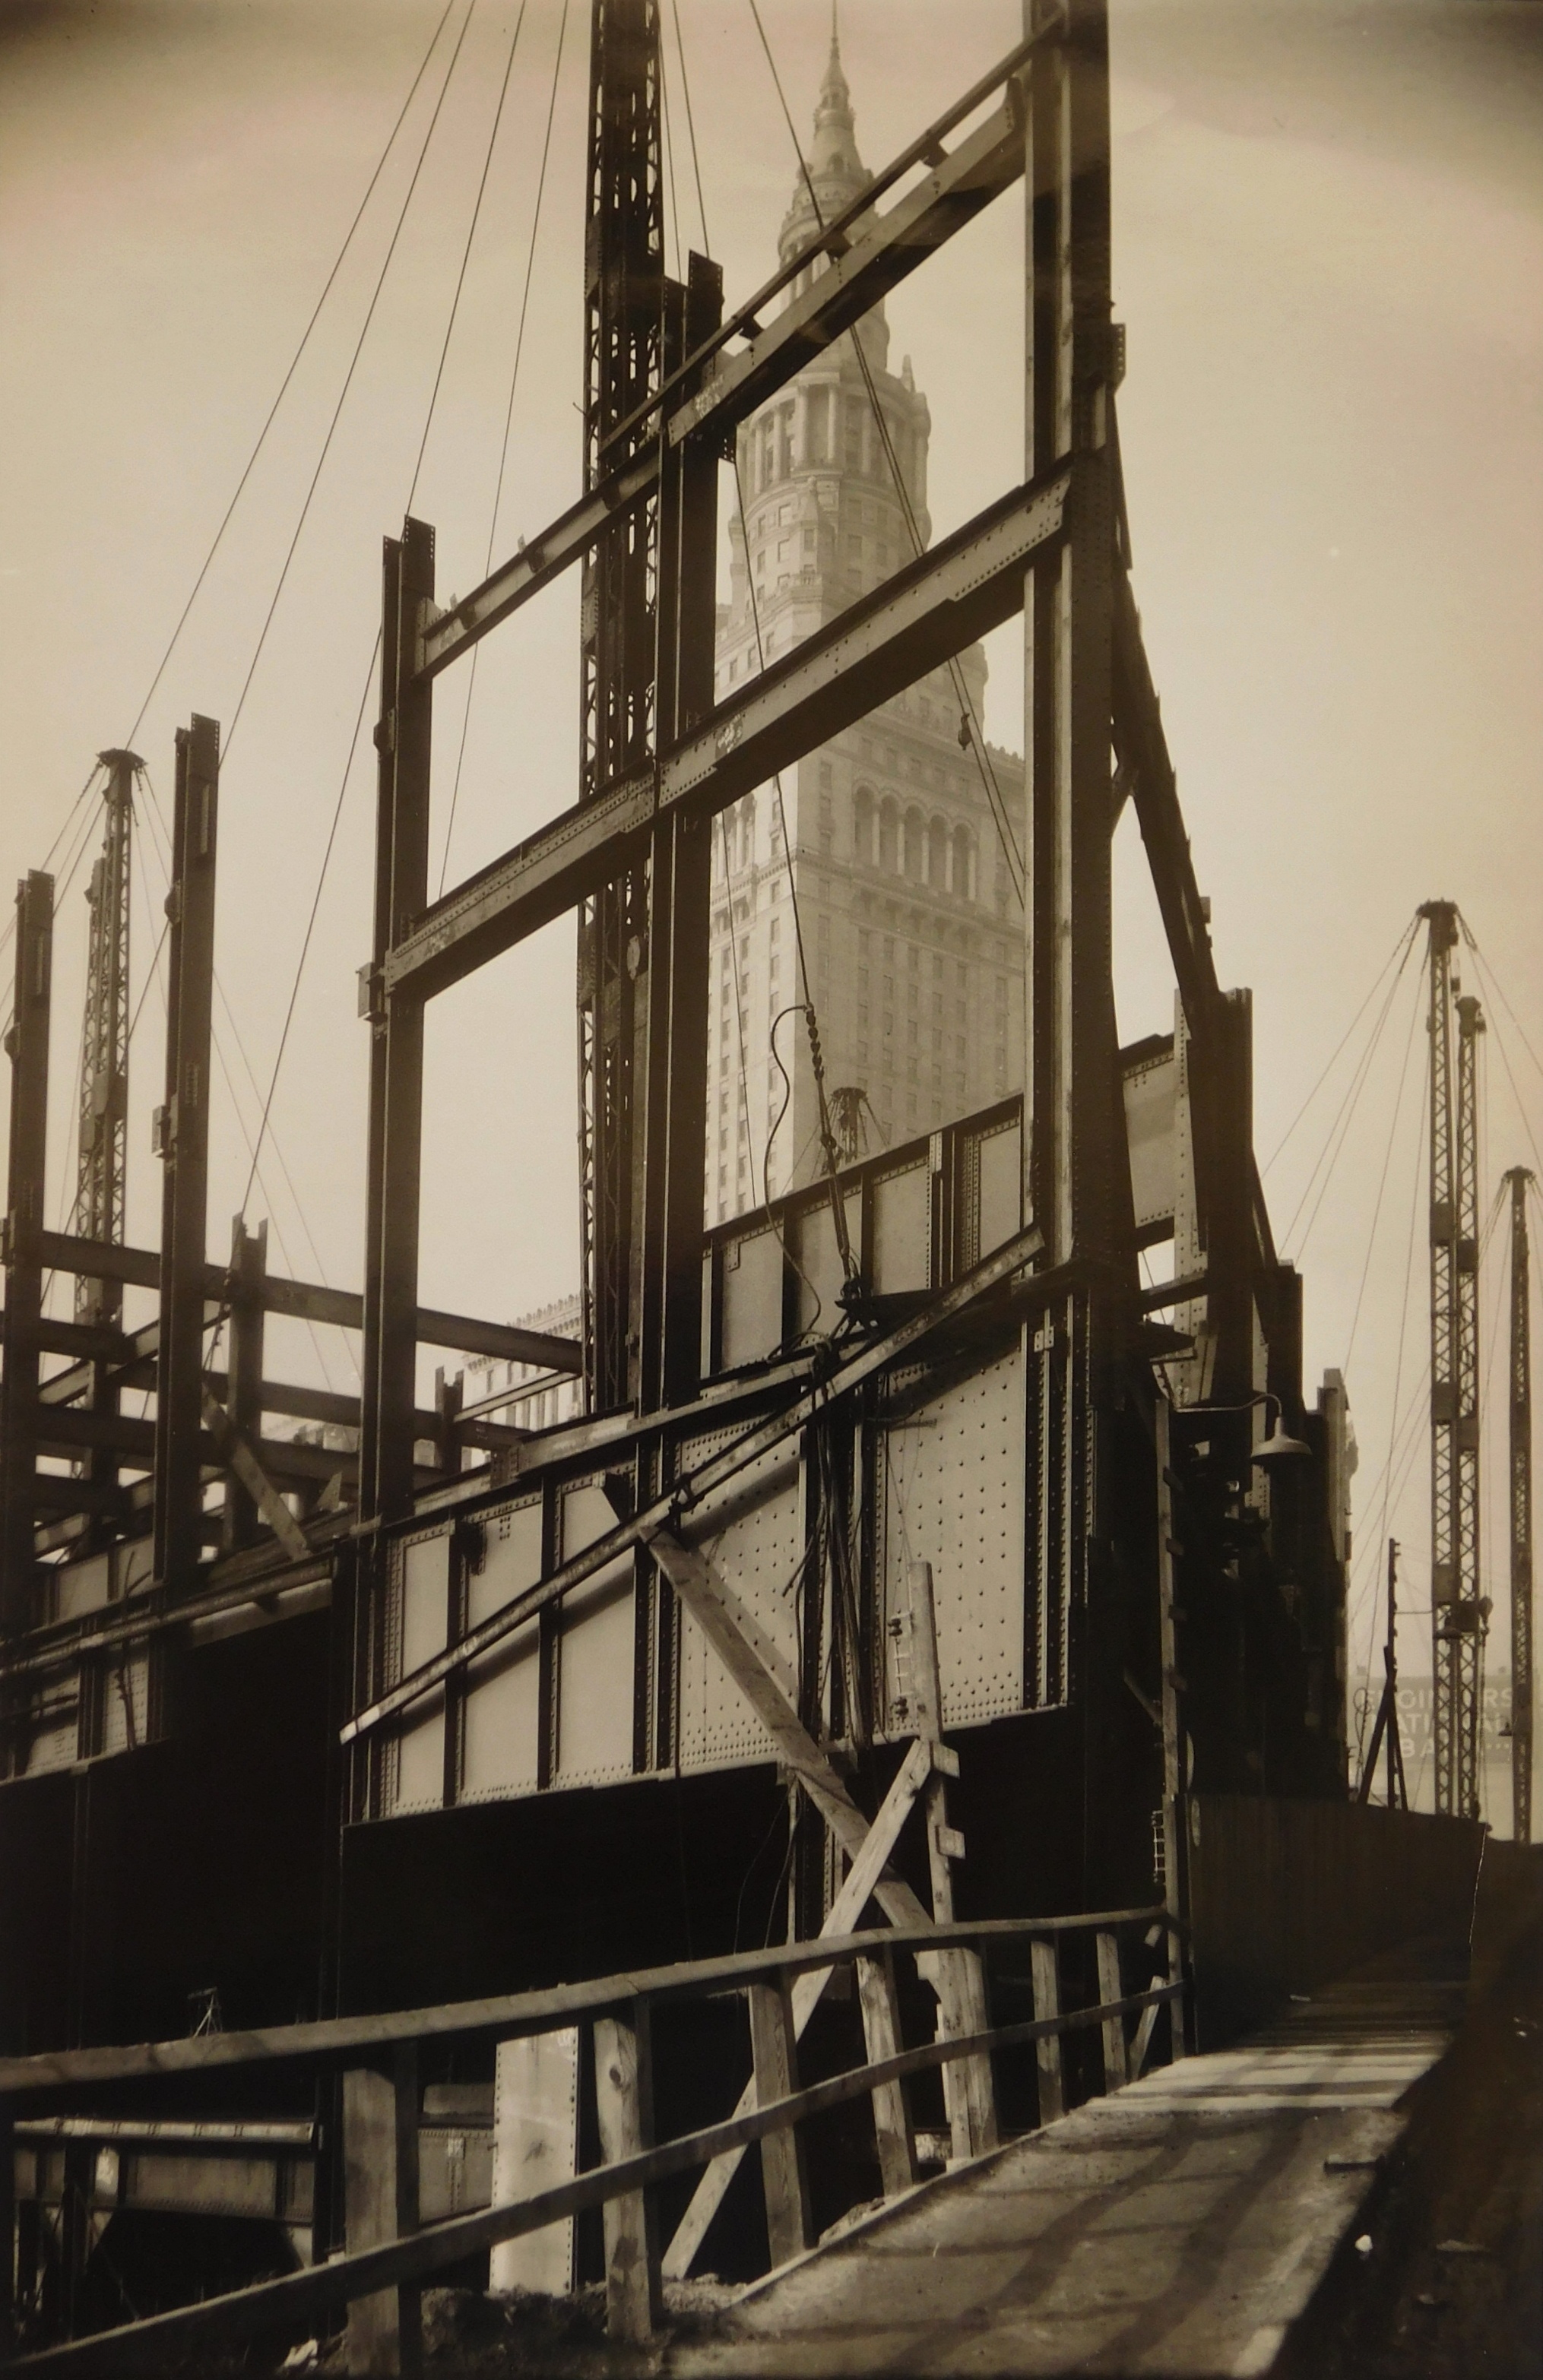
x,y
1329,253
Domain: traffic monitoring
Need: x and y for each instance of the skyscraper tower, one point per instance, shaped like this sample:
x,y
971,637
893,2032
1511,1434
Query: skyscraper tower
x,y
881,851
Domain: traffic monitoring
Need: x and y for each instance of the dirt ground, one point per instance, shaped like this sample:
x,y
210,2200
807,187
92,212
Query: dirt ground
x,y
1452,2287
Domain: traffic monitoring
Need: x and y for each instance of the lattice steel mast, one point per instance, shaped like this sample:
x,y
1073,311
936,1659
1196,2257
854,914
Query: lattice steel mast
x,y
624,276
99,1198
1457,1613
1521,1511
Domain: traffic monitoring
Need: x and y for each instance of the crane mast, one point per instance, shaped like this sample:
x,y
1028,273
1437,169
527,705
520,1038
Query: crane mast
x,y
1458,1613
99,1201
1521,1512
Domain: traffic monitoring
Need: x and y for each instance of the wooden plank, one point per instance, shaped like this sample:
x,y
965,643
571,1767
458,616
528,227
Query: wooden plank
x,y
1107,1950
379,2199
623,2107
892,2117
957,1977
774,2063
240,1459
535,2144
1046,1973
297,2297
341,2038
846,1909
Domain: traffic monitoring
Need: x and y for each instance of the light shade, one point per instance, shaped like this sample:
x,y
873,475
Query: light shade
x,y
1280,1448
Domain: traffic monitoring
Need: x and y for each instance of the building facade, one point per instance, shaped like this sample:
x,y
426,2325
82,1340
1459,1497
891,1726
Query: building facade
x,y
885,854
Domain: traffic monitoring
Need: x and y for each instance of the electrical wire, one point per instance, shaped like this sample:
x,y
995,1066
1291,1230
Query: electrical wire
x,y
294,366
423,442
1398,950
348,379
504,451
466,252
310,921
690,125
968,717
1382,1180
1334,1146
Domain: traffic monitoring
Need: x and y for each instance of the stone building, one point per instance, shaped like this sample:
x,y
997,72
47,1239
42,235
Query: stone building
x,y
888,838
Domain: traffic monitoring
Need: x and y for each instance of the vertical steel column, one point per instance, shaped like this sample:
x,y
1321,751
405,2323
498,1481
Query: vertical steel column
x,y
1441,920
27,1047
249,1270
1071,352
105,1045
624,332
182,1138
402,738
1521,1511
673,1093
104,1134
1468,1615
1071,1108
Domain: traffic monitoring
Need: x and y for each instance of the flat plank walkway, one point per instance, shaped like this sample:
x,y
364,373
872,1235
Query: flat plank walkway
x,y
1179,2227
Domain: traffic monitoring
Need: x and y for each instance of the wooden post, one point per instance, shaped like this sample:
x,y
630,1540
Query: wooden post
x,y
248,1270
891,2119
27,1045
1047,2004
380,2192
623,2104
957,1977
1175,1830
781,2154
7,2224
535,2146
1116,2074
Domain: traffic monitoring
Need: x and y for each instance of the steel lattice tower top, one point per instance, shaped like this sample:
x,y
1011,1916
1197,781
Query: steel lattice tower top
x,y
99,1201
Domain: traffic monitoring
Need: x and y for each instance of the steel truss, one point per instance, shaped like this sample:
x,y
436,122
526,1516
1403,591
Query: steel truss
x,y
1520,1449
1458,1613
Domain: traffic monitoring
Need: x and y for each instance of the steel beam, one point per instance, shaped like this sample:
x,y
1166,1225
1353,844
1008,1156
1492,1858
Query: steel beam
x,y
922,616
397,1038
184,1148
985,163
672,1121
27,1046
308,1300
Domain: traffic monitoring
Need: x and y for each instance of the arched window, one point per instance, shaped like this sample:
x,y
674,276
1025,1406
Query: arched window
x,y
862,825
889,836
964,864
936,854
915,846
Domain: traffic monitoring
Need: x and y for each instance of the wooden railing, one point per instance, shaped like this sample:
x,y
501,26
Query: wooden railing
x,y
387,2256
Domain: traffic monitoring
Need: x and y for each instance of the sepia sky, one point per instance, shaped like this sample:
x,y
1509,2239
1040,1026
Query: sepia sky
x,y
1329,254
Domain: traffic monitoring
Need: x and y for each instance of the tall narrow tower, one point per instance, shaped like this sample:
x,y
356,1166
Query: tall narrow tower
x,y
1458,1613
873,880
1521,1512
99,1200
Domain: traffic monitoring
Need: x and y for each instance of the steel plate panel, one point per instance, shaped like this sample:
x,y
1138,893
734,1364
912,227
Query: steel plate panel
x,y
903,1230
753,1532
597,1660
954,1497
503,1706
425,1588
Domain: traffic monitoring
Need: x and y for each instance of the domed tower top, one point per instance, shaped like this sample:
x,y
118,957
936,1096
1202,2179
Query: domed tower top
x,y
835,169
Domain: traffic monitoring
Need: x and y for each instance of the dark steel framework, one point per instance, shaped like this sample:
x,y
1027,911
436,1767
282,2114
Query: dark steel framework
x,y
1458,1613
1520,1451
